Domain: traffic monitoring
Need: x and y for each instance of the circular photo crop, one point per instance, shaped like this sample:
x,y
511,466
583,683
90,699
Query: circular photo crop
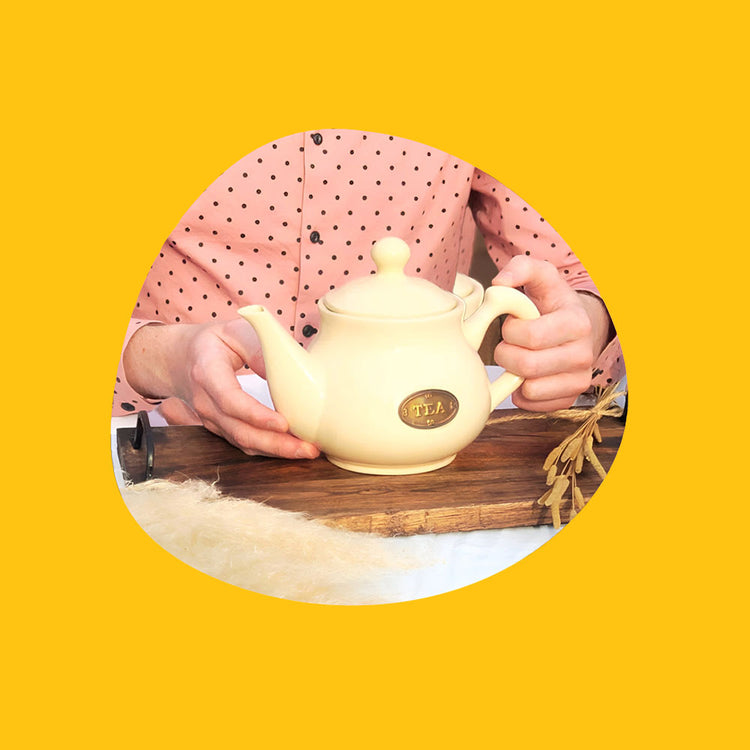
x,y
363,371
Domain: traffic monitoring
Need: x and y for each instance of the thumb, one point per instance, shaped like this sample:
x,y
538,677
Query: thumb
x,y
176,411
540,281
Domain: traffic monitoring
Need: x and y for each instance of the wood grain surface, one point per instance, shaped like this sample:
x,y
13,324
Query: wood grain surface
x,y
493,483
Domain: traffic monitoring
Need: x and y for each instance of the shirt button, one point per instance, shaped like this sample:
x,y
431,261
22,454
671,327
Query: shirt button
x,y
308,331
317,138
314,237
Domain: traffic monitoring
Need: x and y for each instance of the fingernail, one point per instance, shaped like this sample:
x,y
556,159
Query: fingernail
x,y
305,452
504,277
275,424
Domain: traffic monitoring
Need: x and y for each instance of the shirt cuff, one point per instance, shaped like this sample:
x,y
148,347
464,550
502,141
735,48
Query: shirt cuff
x,y
609,367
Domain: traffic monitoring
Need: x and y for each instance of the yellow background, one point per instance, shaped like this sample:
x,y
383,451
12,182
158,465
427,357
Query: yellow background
x,y
624,125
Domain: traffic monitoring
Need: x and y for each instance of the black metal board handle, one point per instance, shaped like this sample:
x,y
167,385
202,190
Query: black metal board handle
x,y
143,432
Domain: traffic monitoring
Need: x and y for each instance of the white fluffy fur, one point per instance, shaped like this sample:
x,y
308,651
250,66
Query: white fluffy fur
x,y
264,549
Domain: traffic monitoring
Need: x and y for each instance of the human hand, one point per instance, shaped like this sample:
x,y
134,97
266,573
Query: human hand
x,y
554,353
193,367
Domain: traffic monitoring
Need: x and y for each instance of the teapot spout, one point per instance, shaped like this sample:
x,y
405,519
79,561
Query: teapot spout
x,y
295,379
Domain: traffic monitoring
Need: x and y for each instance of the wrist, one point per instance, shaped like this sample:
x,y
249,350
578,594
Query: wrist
x,y
602,330
151,356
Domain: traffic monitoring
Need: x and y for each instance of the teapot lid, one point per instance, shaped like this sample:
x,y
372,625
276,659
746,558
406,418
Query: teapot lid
x,y
389,293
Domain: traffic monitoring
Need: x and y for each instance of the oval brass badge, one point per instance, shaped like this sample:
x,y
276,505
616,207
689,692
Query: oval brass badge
x,y
428,409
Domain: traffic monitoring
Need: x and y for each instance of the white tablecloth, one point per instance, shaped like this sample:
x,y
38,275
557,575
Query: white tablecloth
x,y
465,557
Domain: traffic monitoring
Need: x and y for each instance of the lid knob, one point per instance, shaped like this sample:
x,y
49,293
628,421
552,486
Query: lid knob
x,y
389,293
390,255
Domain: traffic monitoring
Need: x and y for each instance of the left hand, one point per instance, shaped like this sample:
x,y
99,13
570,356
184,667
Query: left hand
x,y
556,352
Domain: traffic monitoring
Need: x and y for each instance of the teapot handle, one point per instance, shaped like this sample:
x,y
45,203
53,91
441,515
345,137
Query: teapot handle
x,y
499,300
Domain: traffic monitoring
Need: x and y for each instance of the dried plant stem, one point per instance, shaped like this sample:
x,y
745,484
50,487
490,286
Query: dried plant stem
x,y
567,460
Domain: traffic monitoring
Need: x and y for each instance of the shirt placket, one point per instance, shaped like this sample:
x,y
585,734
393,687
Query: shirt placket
x,y
313,281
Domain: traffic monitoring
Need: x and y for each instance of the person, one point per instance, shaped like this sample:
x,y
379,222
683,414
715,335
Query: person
x,y
295,219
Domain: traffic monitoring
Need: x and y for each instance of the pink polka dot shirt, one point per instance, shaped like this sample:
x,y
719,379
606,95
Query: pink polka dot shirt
x,y
297,218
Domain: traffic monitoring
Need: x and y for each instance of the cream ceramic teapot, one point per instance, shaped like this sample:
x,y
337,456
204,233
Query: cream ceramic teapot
x,y
392,383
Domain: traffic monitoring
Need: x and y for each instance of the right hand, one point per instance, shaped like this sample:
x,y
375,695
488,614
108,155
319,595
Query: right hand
x,y
197,364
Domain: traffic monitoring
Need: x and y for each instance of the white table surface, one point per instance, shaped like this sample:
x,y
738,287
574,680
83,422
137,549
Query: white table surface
x,y
466,557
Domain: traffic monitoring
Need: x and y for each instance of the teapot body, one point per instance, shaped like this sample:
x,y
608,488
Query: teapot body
x,y
399,396
393,383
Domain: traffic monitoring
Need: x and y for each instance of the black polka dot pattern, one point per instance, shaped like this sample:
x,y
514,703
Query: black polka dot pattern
x,y
297,218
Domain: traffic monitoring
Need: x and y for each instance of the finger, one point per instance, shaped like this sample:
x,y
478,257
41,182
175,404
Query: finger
x,y
569,323
565,386
540,280
220,384
255,441
576,356
553,405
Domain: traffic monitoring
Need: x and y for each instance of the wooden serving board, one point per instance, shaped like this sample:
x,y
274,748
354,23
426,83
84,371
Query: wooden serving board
x,y
493,483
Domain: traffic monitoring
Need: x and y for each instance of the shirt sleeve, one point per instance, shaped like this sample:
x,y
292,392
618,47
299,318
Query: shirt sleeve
x,y
510,226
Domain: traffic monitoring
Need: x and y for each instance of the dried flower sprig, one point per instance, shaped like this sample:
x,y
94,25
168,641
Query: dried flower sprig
x,y
566,461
